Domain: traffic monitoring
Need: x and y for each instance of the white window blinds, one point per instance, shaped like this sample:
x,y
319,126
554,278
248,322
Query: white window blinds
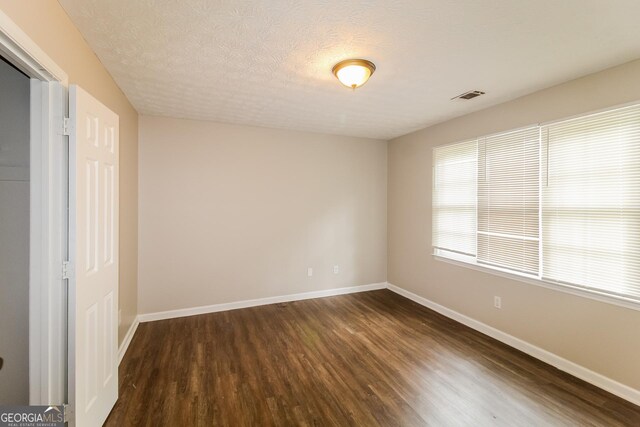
x,y
559,202
454,197
508,200
591,201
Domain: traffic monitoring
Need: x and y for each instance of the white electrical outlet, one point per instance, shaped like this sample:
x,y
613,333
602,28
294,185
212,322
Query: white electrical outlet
x,y
497,302
309,271
336,269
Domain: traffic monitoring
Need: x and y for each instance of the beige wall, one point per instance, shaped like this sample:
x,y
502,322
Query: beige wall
x,y
602,337
230,213
48,26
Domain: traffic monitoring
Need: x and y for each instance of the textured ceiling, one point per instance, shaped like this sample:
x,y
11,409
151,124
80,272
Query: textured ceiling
x,y
268,62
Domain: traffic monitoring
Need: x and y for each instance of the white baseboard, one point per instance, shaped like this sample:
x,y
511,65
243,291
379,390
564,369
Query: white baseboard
x,y
599,380
150,317
127,339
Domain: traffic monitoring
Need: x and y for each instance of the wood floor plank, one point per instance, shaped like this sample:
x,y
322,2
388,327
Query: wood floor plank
x,y
367,359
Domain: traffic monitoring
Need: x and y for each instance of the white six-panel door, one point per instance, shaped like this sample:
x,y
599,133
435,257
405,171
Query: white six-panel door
x,y
93,290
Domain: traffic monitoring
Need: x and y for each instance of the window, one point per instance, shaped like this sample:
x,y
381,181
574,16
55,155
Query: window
x,y
591,201
454,198
558,202
508,200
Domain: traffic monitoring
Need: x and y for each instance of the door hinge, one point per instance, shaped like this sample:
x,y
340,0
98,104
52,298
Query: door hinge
x,y
67,412
66,126
66,270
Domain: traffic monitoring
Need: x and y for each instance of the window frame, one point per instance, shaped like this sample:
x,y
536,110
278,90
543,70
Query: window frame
x,y
470,262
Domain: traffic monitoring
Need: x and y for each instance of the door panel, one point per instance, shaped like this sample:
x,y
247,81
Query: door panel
x,y
93,347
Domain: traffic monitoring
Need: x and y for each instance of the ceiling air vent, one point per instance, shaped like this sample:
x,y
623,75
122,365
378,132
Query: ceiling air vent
x,y
469,95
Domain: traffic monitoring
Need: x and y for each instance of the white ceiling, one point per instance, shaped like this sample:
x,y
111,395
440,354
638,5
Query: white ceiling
x,y
268,62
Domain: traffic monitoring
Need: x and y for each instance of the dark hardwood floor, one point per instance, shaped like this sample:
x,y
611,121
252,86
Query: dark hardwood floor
x,y
364,359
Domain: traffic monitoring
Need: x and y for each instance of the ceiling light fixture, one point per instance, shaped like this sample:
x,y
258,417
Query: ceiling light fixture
x,y
353,73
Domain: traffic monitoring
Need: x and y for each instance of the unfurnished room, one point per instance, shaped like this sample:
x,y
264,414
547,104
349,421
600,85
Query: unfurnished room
x,y
319,213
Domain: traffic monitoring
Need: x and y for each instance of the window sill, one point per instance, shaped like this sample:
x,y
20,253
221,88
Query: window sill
x,y
521,277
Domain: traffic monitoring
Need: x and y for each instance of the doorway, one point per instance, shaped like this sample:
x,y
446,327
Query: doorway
x,y
34,241
71,221
14,235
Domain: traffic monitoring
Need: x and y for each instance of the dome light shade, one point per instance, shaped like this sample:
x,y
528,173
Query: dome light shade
x,y
353,73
